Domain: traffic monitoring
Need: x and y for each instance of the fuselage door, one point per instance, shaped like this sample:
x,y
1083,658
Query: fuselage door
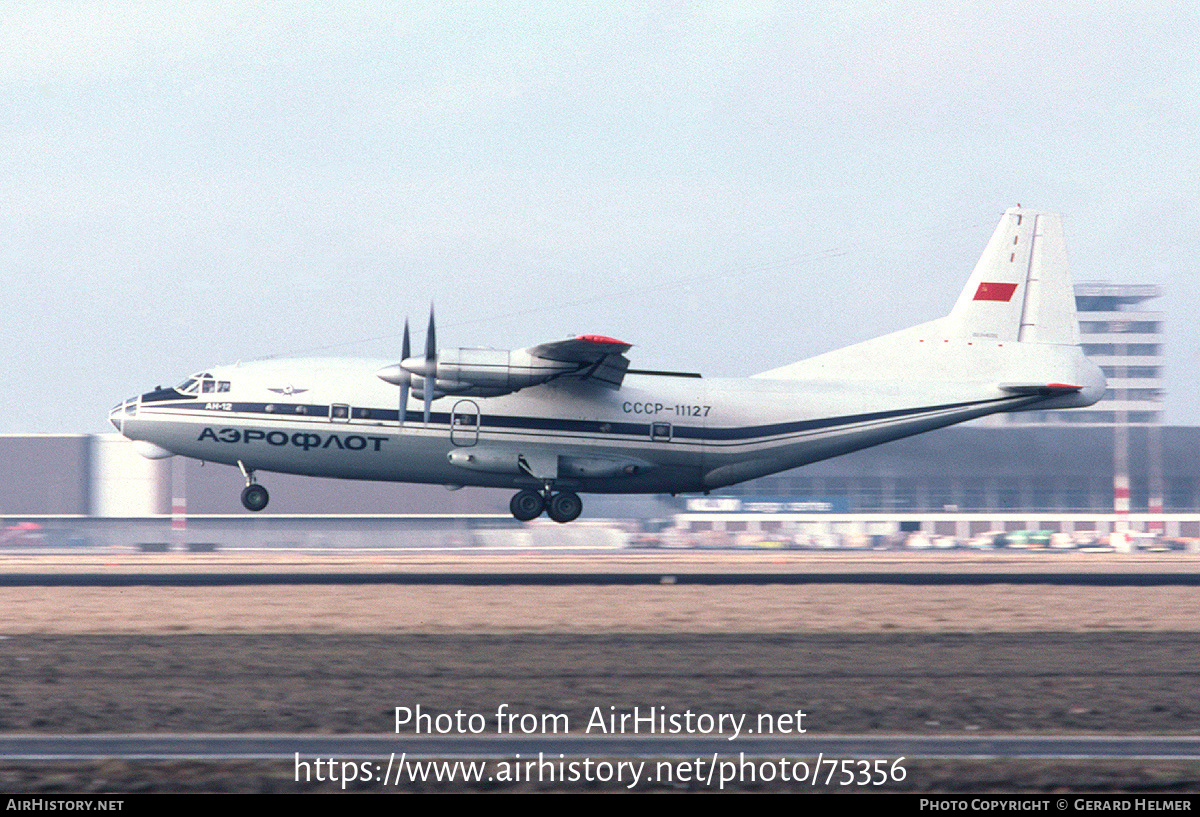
x,y
464,423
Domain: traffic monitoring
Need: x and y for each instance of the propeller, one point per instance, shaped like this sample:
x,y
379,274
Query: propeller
x,y
402,373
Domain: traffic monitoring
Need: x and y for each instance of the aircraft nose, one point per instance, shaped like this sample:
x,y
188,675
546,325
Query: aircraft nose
x,y
119,412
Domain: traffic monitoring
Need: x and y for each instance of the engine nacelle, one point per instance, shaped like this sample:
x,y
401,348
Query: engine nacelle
x,y
481,372
492,372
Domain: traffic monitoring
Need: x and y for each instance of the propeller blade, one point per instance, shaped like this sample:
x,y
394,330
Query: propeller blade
x,y
430,339
404,384
430,365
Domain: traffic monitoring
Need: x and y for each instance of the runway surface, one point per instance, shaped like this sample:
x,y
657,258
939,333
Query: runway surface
x,y
602,579
490,567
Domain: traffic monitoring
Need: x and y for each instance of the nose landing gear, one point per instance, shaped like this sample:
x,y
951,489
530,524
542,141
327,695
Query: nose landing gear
x,y
254,496
563,506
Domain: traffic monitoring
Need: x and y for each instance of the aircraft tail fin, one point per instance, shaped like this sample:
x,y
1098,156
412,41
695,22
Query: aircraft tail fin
x,y
1018,302
1021,288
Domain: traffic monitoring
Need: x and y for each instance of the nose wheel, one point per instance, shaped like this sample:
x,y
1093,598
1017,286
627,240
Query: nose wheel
x,y
254,496
528,504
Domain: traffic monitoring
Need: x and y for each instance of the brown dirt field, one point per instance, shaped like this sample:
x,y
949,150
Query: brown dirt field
x,y
598,609
851,682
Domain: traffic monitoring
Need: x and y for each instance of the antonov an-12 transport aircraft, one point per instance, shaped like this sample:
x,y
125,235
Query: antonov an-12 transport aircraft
x,y
571,416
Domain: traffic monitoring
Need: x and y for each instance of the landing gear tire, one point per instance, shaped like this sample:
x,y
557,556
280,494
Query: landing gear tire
x,y
526,505
565,506
255,497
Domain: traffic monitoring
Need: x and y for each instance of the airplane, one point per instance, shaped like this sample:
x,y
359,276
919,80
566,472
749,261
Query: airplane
x,y
571,416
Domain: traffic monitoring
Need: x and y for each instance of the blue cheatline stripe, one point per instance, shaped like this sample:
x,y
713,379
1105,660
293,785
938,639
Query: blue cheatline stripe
x,y
287,411
774,429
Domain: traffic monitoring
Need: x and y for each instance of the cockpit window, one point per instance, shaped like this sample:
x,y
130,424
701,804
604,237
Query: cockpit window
x,y
202,382
222,385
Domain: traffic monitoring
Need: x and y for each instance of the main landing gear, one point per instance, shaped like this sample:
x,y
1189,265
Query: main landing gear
x,y
254,496
528,504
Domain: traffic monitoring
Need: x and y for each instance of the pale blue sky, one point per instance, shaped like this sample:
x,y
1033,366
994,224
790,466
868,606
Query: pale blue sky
x,y
728,186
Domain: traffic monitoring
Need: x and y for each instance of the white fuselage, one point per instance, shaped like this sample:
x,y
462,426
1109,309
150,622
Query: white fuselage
x,y
656,434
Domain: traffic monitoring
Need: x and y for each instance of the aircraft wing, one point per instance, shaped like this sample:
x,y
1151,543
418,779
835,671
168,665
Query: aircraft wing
x,y
599,359
1043,389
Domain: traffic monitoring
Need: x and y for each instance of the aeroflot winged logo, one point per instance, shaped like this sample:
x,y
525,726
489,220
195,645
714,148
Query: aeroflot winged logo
x,y
992,291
